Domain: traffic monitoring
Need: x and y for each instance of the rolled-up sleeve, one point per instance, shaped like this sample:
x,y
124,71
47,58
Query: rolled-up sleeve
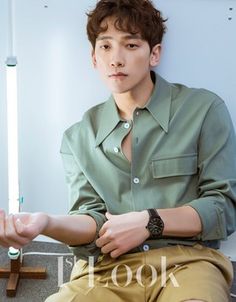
x,y
216,204
83,199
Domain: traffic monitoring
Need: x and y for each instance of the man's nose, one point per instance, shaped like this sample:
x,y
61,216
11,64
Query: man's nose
x,y
117,59
117,63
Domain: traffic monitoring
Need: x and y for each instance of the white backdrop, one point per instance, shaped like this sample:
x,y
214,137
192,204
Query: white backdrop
x,y
57,82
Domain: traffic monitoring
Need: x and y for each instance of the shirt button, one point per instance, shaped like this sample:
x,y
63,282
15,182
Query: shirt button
x,y
126,125
116,150
137,112
136,180
146,247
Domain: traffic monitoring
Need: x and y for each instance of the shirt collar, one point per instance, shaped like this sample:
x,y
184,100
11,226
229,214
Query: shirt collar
x,y
160,101
158,105
109,119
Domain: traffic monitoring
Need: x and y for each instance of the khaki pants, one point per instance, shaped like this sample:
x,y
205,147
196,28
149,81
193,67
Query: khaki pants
x,y
169,274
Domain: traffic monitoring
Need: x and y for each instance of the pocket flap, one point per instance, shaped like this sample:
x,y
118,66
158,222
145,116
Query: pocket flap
x,y
174,166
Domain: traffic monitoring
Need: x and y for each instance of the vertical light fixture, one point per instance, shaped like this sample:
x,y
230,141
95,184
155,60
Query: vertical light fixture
x,y
12,134
12,123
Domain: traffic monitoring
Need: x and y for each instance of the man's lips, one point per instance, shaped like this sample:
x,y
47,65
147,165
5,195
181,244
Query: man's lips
x,y
118,74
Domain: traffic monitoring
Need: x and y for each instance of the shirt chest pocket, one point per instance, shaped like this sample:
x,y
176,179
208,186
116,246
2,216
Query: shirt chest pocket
x,y
174,166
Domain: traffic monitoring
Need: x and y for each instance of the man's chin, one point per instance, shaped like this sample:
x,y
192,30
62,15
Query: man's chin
x,y
117,90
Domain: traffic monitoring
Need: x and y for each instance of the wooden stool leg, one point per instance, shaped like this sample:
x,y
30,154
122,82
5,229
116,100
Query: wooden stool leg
x,y
12,284
15,265
4,272
17,271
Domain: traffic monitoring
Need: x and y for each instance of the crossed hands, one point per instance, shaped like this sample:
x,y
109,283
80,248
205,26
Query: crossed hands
x,y
121,233
19,229
118,235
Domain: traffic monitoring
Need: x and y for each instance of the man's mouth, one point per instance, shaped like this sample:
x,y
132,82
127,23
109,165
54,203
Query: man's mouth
x,y
117,75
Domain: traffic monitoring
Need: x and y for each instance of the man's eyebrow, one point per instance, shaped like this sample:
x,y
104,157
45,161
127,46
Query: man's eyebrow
x,y
127,37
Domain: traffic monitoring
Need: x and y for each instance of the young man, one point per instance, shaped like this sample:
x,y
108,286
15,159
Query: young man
x,y
151,174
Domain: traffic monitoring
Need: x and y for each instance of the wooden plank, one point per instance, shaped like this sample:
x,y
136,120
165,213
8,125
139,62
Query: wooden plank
x,y
12,284
33,273
15,265
4,272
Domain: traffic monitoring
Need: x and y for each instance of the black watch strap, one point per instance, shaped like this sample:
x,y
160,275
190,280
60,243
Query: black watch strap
x,y
153,213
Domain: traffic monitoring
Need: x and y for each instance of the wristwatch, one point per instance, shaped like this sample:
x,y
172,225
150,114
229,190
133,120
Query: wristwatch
x,y
155,224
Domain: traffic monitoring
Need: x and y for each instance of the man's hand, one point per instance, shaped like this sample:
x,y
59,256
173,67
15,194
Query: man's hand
x,y
123,232
19,229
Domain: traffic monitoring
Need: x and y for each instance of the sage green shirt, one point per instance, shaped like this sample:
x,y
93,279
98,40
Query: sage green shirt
x,y
183,153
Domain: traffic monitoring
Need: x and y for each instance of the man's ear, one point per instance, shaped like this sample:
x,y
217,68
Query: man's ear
x,y
155,55
94,58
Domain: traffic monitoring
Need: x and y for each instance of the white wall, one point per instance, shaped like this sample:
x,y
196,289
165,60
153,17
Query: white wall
x,y
55,75
57,82
200,46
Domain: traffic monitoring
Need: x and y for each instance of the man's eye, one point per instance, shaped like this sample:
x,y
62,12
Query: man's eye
x,y
132,46
104,46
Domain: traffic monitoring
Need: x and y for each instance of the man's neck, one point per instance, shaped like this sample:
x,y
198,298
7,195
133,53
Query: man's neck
x,y
127,102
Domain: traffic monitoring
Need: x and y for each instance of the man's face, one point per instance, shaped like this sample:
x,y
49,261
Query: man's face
x,y
123,59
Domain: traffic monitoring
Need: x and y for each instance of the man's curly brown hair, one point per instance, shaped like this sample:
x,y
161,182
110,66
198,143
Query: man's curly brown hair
x,y
133,16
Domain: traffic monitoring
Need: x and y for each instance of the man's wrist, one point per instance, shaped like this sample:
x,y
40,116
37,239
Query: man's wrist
x,y
47,226
145,219
145,216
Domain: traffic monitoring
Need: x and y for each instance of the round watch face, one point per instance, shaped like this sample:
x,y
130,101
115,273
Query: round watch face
x,y
155,226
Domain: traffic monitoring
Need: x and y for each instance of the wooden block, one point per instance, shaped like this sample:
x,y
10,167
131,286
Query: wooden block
x,y
12,284
4,272
15,265
33,273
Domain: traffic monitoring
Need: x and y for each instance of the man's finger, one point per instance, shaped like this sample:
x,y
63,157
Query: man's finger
x,y
108,215
108,248
2,229
103,229
11,235
2,222
104,239
20,227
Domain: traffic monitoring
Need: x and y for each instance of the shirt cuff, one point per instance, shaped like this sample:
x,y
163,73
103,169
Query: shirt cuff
x,y
83,251
212,218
